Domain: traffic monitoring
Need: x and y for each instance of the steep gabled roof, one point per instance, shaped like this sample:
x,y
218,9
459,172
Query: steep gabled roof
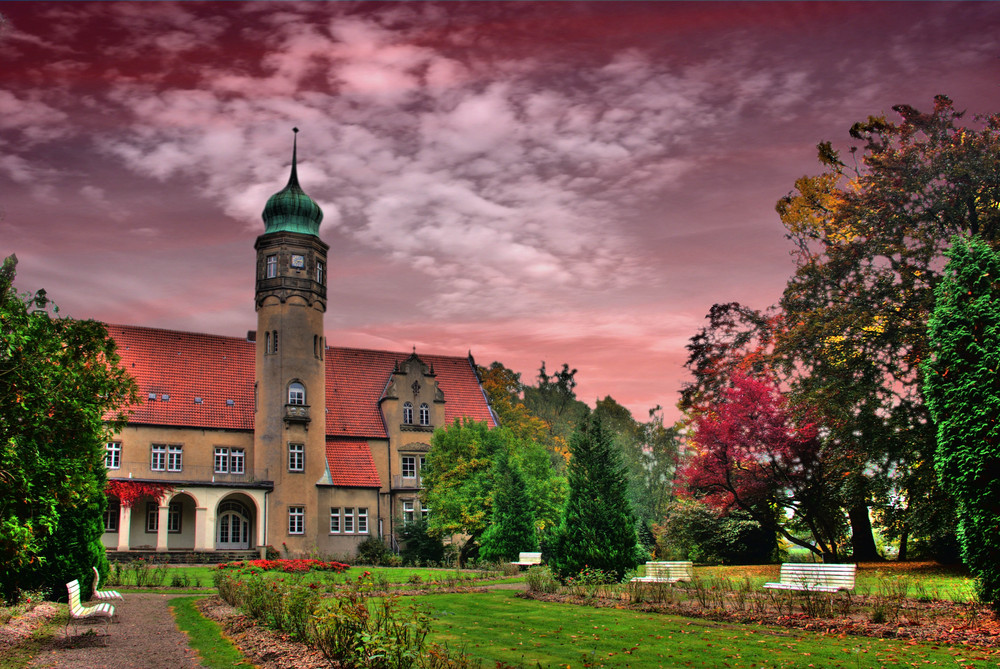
x,y
178,367
217,369
351,464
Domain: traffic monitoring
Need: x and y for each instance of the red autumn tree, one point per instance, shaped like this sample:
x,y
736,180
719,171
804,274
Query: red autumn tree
x,y
752,453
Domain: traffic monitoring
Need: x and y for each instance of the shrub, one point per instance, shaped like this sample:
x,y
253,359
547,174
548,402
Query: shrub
x,y
419,546
374,551
541,579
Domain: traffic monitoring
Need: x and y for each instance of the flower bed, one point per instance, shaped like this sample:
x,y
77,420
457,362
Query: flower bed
x,y
287,566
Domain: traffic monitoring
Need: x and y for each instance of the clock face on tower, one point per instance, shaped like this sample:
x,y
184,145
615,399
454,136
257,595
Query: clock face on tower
x,y
298,262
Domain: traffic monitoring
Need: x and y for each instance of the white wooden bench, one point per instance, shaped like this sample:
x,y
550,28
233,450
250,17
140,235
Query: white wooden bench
x,y
79,614
528,559
666,572
815,577
104,595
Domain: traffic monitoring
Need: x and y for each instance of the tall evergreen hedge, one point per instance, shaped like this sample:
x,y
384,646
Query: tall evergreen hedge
x,y
962,389
598,527
513,524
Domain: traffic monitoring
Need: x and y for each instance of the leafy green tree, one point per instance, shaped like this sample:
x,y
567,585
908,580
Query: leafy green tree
x,y
692,530
460,483
513,526
869,235
598,528
963,394
554,401
59,381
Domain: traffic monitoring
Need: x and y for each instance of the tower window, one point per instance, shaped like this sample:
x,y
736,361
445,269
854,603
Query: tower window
x,y
425,414
319,273
267,342
296,457
271,270
407,414
296,393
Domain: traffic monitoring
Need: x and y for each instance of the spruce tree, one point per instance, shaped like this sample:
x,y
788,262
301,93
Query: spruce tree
x,y
513,526
598,528
962,387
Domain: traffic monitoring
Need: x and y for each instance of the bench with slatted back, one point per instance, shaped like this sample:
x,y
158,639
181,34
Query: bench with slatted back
x,y
815,577
666,572
79,614
528,559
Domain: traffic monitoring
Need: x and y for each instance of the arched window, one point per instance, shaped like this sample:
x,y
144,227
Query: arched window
x,y
296,393
408,413
425,414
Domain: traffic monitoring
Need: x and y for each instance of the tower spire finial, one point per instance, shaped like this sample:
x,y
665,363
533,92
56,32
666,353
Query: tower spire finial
x,y
294,178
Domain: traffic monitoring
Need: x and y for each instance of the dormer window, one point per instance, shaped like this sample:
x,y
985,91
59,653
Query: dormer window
x,y
425,414
296,393
407,413
271,265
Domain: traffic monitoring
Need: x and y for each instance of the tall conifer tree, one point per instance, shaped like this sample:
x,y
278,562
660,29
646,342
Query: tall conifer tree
x,y
513,527
962,388
598,525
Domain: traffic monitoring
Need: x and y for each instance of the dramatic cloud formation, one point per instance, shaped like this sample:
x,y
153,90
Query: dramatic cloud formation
x,y
563,181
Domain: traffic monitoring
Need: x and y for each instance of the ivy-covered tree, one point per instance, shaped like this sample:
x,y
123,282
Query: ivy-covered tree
x,y
869,234
513,525
963,394
598,528
59,382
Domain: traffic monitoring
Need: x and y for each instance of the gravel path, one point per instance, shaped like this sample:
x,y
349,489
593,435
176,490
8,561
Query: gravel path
x,y
146,638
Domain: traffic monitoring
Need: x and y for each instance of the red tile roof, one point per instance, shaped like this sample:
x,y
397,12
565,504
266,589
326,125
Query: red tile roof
x,y
186,365
178,367
351,464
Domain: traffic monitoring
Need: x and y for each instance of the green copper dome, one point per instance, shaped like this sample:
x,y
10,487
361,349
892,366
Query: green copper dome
x,y
290,209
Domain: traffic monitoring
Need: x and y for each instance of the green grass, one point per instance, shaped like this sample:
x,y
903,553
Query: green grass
x,y
205,636
501,627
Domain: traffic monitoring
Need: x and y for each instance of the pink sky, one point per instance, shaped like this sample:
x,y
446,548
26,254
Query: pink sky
x,y
567,182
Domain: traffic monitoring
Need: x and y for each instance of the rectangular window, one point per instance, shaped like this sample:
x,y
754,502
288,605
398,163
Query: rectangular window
x,y
152,517
237,461
296,457
296,520
362,520
272,267
221,460
409,466
174,517
334,520
319,272
158,462
113,455
407,512
111,515
425,512
175,458
349,520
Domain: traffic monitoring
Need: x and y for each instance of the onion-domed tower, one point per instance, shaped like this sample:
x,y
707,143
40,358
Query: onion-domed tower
x,y
290,389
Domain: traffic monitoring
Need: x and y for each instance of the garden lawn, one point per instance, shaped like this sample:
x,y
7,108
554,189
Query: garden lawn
x,y
499,626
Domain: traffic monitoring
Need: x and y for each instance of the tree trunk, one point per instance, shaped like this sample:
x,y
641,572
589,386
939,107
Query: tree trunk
x,y
862,539
903,539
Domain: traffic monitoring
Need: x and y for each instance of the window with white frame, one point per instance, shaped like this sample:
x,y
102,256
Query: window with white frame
x,y
174,517
296,457
407,511
425,414
158,459
296,393
409,466
113,455
229,460
349,520
272,267
175,458
319,272
425,512
111,515
296,520
407,413
334,520
362,520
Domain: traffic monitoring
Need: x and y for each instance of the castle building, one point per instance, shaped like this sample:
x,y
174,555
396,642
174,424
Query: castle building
x,y
278,439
